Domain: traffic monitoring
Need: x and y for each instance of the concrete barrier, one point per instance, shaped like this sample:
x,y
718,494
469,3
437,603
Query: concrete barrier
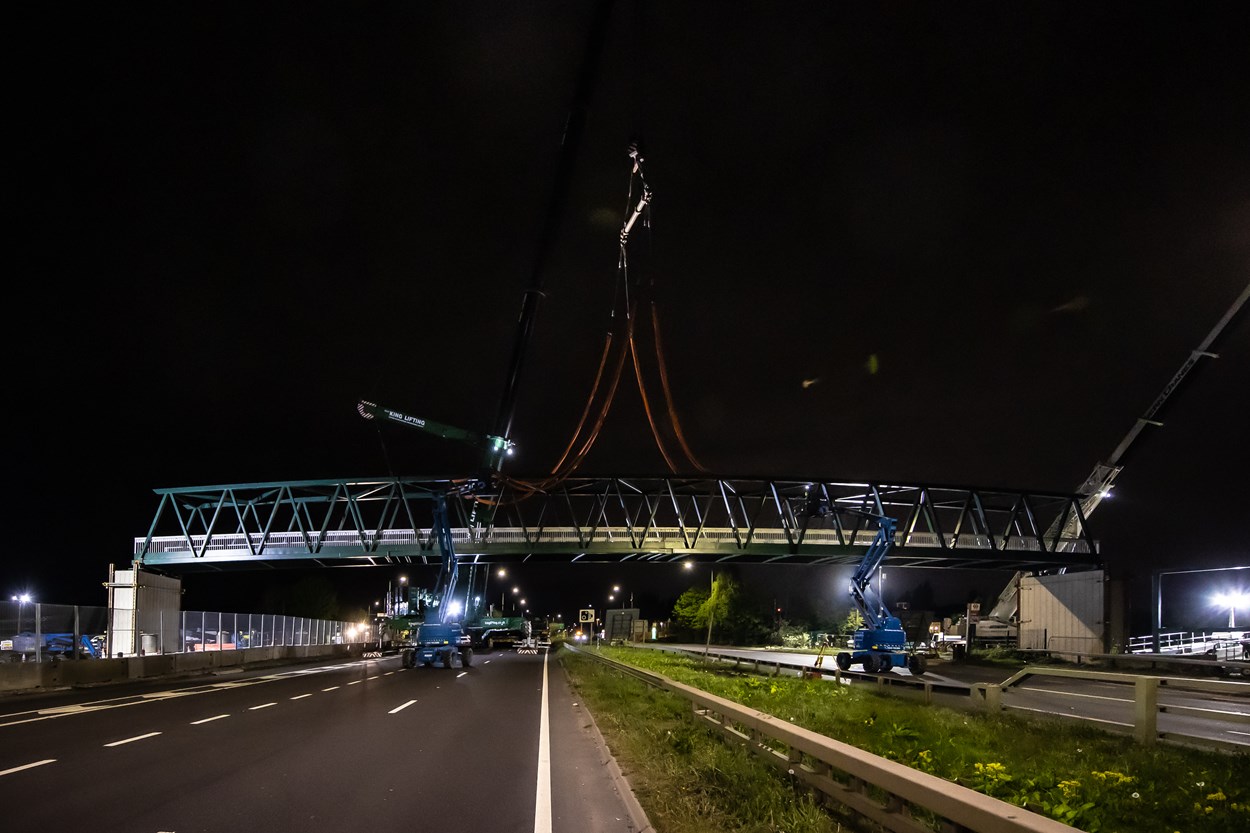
x,y
33,676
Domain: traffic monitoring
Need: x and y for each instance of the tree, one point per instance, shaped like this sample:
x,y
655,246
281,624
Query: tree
x,y
688,611
708,611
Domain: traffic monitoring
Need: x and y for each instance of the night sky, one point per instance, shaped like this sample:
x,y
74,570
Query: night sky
x,y
990,233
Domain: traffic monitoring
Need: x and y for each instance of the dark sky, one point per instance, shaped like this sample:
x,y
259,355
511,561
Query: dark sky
x,y
230,224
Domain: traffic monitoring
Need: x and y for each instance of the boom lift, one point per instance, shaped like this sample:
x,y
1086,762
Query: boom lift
x,y
440,635
880,644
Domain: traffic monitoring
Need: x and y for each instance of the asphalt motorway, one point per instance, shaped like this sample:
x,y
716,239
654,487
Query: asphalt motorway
x,y
1105,703
502,745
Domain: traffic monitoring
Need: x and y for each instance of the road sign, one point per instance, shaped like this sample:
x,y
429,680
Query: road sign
x,y
586,616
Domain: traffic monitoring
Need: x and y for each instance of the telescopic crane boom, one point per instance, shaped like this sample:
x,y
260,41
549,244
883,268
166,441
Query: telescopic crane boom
x,y
1099,482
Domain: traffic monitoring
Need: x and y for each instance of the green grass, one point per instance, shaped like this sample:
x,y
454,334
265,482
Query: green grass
x,y
1088,778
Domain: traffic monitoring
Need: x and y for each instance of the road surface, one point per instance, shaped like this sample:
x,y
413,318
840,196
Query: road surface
x,y
359,745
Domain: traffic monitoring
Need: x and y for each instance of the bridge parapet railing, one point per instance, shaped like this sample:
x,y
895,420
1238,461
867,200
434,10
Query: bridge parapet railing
x,y
658,538
1227,645
847,774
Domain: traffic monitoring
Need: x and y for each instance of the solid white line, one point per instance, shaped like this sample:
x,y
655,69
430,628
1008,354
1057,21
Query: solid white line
x,y
26,766
1230,731
132,740
208,719
461,674
331,688
301,696
542,802
401,708
261,706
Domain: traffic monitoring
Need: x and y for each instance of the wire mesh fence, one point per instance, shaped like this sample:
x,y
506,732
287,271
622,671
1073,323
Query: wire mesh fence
x,y
38,632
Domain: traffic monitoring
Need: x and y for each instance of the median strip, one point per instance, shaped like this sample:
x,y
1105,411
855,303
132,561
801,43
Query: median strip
x,y
132,740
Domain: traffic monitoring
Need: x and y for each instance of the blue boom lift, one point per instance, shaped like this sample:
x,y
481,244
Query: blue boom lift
x,y
880,644
440,635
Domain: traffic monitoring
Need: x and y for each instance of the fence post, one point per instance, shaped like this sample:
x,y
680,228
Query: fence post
x,y
990,696
1146,710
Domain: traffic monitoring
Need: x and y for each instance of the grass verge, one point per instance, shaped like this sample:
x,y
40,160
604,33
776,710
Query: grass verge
x,y
1097,781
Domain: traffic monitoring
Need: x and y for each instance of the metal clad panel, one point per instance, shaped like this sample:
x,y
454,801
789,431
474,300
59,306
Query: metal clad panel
x,y
1064,612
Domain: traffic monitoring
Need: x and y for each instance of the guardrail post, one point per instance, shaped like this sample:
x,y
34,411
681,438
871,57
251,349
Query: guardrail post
x,y
990,696
1146,710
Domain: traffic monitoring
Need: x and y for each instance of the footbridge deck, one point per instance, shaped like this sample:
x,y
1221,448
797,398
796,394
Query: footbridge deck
x,y
609,520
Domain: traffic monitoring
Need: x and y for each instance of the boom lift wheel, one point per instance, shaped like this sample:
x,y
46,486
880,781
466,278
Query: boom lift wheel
x,y
870,664
916,665
844,661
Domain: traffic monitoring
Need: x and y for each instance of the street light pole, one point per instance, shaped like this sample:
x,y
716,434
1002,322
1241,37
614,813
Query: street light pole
x,y
711,611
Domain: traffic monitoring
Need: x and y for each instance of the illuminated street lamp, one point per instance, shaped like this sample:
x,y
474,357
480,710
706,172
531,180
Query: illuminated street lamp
x,y
1232,601
22,600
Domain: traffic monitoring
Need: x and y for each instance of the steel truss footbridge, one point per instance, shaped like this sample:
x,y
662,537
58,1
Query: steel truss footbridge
x,y
380,521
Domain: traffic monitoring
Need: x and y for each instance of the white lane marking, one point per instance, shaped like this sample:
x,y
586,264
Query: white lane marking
x,y
542,803
461,674
35,715
132,740
331,688
208,719
26,766
1074,694
371,678
401,708
356,682
1230,731
388,673
486,663
301,696
261,706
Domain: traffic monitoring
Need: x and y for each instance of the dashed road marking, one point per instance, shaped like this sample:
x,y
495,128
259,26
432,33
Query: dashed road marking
x,y
261,706
301,696
331,688
132,740
26,766
461,674
208,719
401,708
356,682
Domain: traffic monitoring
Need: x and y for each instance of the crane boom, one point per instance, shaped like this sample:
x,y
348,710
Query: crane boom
x,y
1099,482
495,448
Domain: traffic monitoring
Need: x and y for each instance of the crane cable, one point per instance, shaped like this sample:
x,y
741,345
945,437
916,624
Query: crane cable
x,y
567,464
668,393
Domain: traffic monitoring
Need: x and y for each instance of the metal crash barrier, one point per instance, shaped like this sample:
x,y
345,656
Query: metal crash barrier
x,y
846,774
1146,706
